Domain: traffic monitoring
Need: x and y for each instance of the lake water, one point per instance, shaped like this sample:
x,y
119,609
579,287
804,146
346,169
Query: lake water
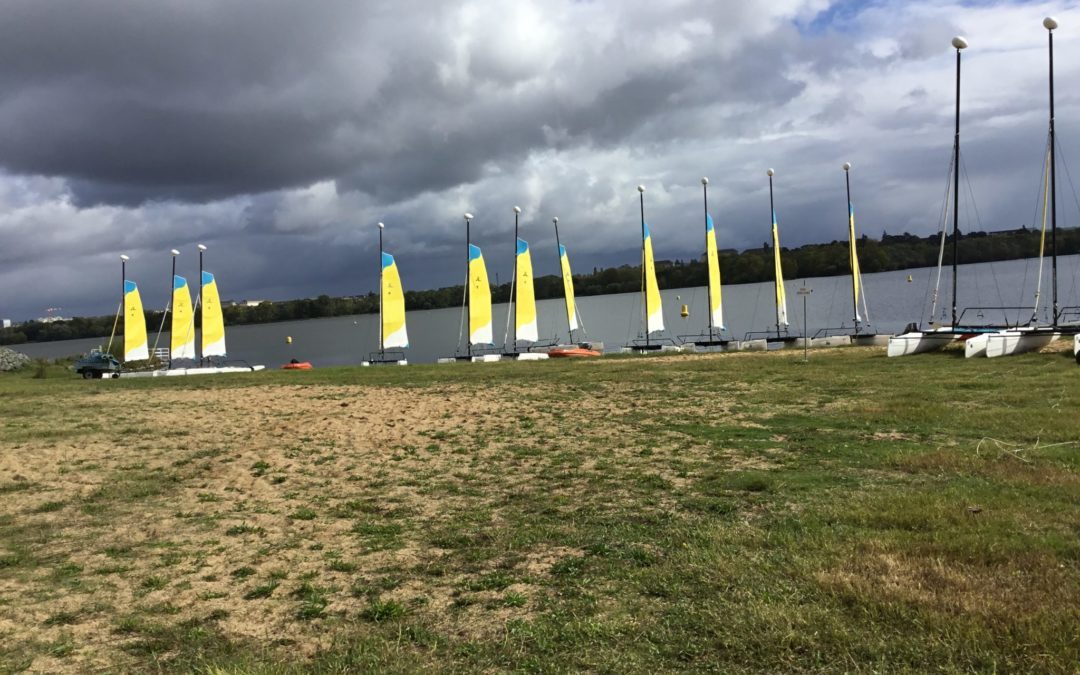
x,y
616,319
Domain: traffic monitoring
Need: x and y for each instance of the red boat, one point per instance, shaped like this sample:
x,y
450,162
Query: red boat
x,y
571,352
297,365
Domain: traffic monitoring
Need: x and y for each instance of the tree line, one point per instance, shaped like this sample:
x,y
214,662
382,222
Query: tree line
x,y
891,252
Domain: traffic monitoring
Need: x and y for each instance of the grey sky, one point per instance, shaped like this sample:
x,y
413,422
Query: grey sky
x,y
278,132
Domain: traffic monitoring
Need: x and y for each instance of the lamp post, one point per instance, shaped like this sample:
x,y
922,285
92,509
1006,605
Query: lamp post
x,y
959,44
644,290
468,282
1049,23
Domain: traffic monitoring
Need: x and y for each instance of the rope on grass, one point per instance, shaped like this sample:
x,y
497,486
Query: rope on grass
x,y
1016,450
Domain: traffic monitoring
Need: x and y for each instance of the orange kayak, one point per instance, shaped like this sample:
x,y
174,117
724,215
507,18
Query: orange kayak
x,y
297,365
571,352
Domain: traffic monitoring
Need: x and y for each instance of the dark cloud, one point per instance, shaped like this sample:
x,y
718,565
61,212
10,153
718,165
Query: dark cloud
x,y
278,133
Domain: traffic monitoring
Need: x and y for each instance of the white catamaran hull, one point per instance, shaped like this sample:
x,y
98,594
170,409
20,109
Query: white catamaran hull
x,y
976,345
180,372
1009,342
918,343
1076,346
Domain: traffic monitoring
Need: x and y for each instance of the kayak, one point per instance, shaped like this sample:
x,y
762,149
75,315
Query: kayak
x,y
575,352
297,365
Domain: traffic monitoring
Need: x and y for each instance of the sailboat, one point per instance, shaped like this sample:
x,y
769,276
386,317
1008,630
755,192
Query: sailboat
x,y
522,311
781,337
652,306
1034,337
182,332
915,340
571,350
860,334
714,338
476,306
525,327
212,342
135,348
392,332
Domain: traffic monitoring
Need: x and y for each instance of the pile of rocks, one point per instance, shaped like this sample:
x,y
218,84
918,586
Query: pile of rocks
x,y
12,360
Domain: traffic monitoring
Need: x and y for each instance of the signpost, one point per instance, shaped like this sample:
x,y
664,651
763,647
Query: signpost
x,y
804,291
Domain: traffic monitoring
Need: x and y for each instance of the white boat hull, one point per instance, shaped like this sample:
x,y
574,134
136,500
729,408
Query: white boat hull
x,y
976,345
530,356
399,362
1010,342
1076,346
181,372
918,343
831,341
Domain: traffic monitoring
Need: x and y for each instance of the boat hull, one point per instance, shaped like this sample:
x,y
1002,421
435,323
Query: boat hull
x,y
976,345
1010,342
919,343
182,372
574,352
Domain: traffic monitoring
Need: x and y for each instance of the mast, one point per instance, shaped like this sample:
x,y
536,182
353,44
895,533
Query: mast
x,y
708,281
1050,24
960,44
851,248
566,300
172,282
772,214
644,291
382,351
468,282
202,306
513,280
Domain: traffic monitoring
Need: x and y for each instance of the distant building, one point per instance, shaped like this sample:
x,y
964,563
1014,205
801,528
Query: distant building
x,y
242,303
5,323
50,319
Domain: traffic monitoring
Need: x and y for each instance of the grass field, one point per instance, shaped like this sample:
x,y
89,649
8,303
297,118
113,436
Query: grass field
x,y
737,513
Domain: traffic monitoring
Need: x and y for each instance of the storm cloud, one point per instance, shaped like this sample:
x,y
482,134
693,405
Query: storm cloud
x,y
278,133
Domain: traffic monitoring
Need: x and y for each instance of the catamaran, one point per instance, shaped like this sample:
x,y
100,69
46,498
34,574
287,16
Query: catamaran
x,y
522,310
134,324
714,339
212,343
131,308
1033,337
915,340
779,338
652,309
392,333
571,350
476,307
861,333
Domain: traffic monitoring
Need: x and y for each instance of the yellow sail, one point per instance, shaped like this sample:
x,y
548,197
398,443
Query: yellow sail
x,y
856,277
568,289
716,307
182,343
654,319
393,306
134,324
525,303
781,297
479,299
213,323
